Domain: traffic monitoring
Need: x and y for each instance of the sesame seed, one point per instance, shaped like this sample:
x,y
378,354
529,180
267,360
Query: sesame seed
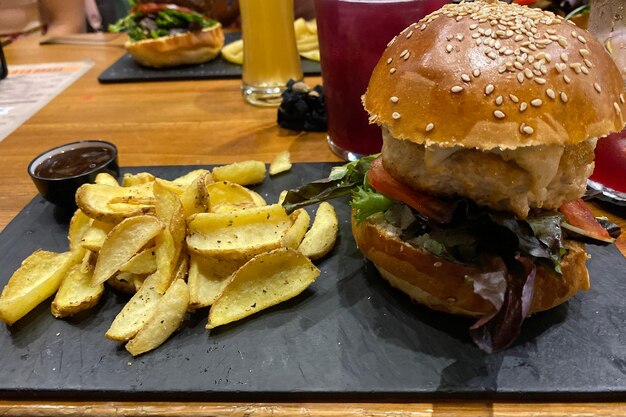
x,y
429,127
394,99
564,57
476,73
536,102
550,93
621,98
392,71
406,51
514,98
459,37
499,100
407,55
574,34
473,26
597,87
389,61
395,115
523,106
520,77
456,89
492,55
540,81
518,65
588,63
566,79
584,70
489,89
391,42
582,40
449,48
466,78
499,114
528,73
408,35
528,130
562,42
563,97
476,35
584,52
518,38
617,108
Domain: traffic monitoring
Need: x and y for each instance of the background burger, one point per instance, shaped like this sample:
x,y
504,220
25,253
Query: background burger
x,y
489,114
168,34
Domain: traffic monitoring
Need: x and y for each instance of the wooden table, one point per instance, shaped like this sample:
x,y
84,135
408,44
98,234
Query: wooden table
x,y
193,122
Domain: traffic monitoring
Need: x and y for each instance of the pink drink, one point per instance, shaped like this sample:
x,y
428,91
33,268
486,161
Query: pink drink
x,y
353,35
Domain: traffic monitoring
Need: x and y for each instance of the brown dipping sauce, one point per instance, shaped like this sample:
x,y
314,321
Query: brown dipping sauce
x,y
74,162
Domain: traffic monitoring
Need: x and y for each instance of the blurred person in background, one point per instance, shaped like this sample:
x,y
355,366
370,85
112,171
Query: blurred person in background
x,y
19,17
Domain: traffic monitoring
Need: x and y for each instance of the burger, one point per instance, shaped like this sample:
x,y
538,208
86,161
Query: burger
x,y
169,34
489,115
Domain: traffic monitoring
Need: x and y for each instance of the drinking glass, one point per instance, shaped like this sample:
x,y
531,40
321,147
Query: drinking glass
x,y
609,175
352,36
269,48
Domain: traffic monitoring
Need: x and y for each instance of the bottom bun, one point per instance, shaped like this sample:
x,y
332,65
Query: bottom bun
x,y
193,47
444,286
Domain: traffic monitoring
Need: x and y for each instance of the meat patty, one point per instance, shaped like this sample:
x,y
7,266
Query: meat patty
x,y
513,180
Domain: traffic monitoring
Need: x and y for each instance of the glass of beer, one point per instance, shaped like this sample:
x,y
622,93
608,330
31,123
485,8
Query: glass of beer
x,y
269,49
352,36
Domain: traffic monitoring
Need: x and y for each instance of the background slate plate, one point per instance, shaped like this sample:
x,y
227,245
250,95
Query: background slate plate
x,y
350,336
126,69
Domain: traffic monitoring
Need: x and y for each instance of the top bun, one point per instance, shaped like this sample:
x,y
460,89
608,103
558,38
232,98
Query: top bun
x,y
491,75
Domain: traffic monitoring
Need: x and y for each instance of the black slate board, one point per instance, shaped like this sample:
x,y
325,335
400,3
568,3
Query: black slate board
x,y
349,337
126,69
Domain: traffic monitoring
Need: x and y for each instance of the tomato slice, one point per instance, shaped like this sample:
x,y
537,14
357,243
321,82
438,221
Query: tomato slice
x,y
428,205
153,8
578,214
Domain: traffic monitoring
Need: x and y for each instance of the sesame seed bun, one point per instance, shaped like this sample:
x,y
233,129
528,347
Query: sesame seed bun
x,y
491,75
444,286
194,47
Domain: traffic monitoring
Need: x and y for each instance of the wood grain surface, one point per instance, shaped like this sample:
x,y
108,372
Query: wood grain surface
x,y
192,122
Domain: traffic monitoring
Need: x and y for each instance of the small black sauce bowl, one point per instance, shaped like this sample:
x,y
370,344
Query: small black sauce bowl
x,y
62,191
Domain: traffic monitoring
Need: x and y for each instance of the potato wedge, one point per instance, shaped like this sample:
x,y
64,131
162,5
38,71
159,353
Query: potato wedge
x,y
143,263
126,282
88,263
226,196
190,177
207,278
122,243
170,241
38,277
281,163
195,198
168,314
106,179
130,180
320,239
135,313
239,234
76,294
233,52
79,225
242,173
264,281
94,199
298,229
94,237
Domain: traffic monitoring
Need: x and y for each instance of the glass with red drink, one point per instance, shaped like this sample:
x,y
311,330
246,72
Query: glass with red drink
x,y
609,175
352,36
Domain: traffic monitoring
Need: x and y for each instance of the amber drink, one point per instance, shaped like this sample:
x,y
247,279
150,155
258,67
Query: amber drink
x,y
269,48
